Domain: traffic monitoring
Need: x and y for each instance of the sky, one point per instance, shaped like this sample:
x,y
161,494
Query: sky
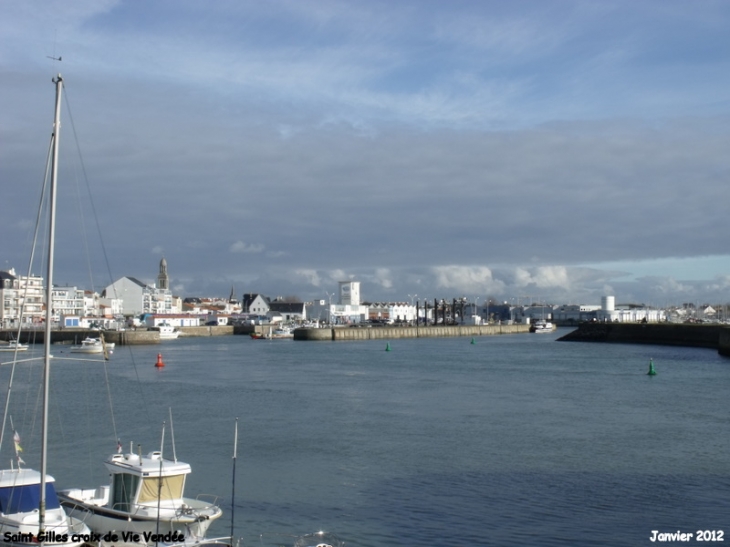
x,y
539,150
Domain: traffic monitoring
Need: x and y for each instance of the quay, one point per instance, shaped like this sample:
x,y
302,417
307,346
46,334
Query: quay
x,y
129,337
713,336
387,332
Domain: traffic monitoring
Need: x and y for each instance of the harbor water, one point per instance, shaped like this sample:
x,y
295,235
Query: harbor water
x,y
513,440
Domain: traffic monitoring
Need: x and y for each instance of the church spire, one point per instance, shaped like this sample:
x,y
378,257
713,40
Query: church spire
x,y
163,280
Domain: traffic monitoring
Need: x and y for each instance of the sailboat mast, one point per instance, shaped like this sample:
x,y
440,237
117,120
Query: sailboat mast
x,y
49,305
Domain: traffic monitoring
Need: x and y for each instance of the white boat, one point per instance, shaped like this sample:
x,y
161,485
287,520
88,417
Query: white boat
x,y
29,508
145,496
14,345
319,539
542,327
282,332
167,332
93,345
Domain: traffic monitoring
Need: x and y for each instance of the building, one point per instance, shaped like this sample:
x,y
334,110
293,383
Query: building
x,y
21,294
289,311
138,297
255,303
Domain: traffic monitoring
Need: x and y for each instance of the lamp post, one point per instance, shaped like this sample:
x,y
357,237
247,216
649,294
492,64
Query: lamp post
x,y
329,309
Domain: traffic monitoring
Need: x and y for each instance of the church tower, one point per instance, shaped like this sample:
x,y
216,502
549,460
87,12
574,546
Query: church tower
x,y
163,280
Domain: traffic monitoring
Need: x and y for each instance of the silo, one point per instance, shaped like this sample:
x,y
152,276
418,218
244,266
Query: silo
x,y
608,303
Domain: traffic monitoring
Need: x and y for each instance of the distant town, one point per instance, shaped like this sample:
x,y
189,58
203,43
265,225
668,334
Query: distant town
x,y
131,302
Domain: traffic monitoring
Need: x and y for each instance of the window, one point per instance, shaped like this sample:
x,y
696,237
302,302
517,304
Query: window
x,y
124,488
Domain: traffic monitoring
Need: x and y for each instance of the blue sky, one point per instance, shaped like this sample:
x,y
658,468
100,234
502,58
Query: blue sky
x,y
561,150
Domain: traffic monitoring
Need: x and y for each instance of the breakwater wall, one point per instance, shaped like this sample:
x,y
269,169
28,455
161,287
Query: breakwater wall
x,y
666,334
390,333
75,336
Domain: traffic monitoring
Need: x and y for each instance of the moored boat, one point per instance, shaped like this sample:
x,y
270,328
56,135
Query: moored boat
x,y
14,345
542,327
145,497
93,345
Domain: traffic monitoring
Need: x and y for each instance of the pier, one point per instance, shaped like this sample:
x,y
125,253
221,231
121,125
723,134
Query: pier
x,y
391,333
713,336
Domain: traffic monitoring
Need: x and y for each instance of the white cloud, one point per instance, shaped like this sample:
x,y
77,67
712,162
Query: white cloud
x,y
243,247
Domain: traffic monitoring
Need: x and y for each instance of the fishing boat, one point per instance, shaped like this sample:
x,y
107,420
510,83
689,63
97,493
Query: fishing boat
x,y
144,497
29,508
14,345
91,345
282,332
542,327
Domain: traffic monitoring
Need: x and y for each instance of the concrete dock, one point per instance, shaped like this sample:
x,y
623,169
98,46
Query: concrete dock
x,y
391,333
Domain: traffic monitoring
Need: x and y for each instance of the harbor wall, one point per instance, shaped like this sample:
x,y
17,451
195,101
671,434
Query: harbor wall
x,y
390,333
666,334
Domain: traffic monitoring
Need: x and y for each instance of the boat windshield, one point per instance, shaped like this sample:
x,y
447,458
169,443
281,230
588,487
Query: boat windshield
x,y
168,488
26,498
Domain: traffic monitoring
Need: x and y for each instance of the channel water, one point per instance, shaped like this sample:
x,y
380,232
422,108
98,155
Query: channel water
x,y
514,440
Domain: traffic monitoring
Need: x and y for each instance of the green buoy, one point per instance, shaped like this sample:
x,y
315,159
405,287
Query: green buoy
x,y
472,341
651,372
387,347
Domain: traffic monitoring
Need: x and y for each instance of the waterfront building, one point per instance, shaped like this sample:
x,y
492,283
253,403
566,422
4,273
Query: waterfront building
x,y
255,303
138,297
289,311
391,312
20,292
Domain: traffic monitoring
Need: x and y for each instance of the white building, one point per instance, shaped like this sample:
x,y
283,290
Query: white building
x,y
392,312
18,292
138,298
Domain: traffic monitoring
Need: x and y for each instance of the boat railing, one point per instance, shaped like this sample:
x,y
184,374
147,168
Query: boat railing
x,y
209,499
76,525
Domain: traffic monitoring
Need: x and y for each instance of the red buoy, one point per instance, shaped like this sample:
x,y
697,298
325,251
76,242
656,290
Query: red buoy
x,y
159,363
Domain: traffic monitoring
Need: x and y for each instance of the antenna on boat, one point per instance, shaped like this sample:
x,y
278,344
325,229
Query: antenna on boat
x,y
233,481
162,439
172,435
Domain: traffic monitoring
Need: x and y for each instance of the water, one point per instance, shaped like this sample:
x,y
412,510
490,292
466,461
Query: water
x,y
515,440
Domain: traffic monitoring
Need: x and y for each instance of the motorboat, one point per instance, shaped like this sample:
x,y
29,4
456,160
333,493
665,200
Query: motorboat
x,y
542,327
319,539
14,345
145,496
30,511
282,332
93,345
19,494
167,332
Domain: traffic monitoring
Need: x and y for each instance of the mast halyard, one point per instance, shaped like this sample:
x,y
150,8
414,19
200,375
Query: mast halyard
x,y
58,80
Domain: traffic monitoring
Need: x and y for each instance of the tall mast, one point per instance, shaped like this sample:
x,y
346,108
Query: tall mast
x,y
49,304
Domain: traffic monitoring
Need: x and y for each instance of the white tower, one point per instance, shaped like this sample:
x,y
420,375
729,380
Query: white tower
x,y
350,293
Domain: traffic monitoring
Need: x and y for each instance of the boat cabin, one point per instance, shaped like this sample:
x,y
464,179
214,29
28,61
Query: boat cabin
x,y
20,491
142,480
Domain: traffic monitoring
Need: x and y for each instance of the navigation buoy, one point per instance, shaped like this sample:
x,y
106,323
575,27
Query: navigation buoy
x,y
387,347
651,372
472,341
159,363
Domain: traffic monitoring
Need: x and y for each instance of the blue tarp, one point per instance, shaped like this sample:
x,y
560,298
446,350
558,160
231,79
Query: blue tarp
x,y
23,499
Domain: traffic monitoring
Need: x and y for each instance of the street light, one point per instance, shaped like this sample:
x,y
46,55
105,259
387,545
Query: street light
x,y
329,310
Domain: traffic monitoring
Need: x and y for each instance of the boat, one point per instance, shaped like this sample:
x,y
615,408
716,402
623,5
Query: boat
x,y
282,332
259,336
14,345
319,539
145,496
167,332
542,327
30,511
93,345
